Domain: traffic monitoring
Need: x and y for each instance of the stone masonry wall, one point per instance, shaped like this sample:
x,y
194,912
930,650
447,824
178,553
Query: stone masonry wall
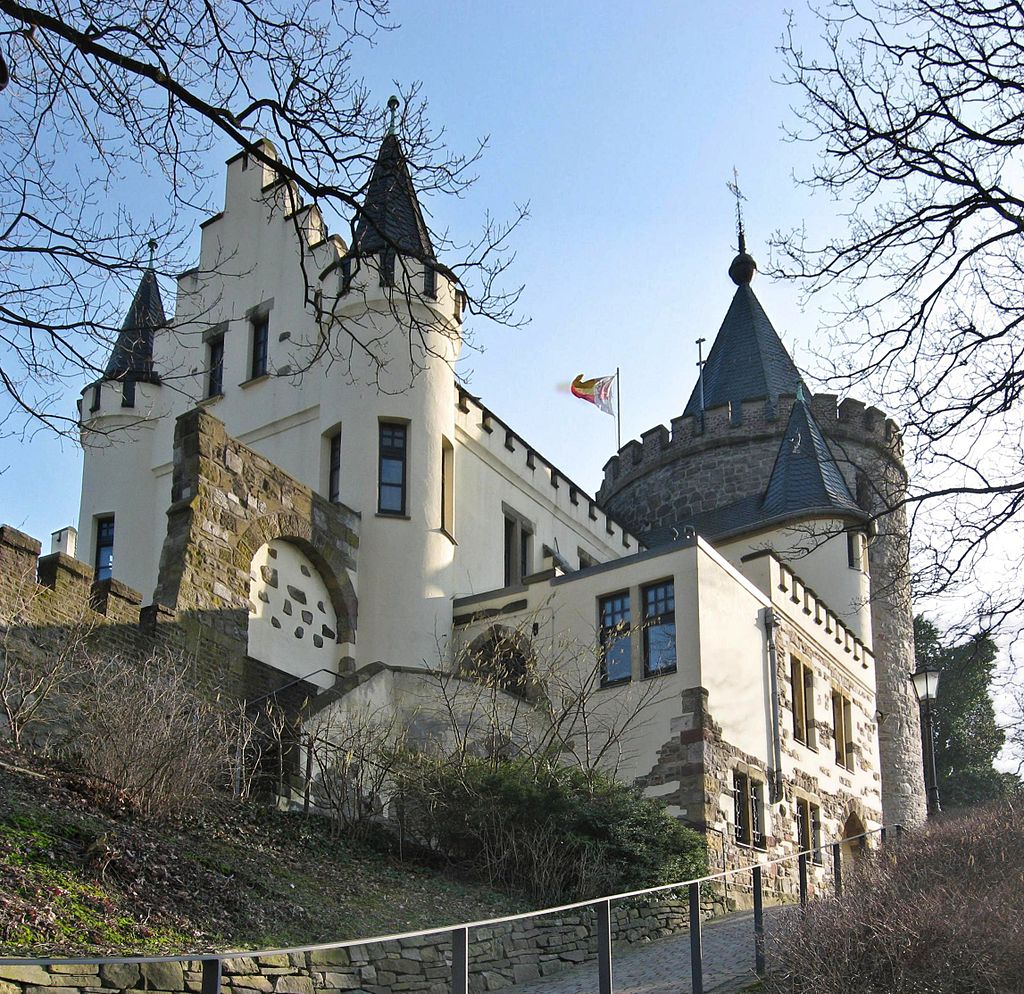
x,y
227,502
499,955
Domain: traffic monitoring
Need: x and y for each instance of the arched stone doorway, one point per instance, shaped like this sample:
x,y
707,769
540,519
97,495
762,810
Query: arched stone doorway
x,y
293,625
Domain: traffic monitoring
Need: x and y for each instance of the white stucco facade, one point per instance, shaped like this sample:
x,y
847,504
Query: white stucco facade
x,y
479,528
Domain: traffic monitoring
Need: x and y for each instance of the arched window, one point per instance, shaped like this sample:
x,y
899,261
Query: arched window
x,y
503,658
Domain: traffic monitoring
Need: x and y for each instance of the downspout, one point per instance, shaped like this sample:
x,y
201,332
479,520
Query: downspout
x,y
775,782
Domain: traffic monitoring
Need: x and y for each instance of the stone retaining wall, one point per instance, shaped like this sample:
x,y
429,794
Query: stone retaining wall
x,y
500,956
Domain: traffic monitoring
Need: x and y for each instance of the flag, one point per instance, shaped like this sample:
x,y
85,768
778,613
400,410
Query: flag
x,y
600,391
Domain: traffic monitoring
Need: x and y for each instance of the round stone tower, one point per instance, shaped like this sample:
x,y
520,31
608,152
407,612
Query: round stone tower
x,y
712,472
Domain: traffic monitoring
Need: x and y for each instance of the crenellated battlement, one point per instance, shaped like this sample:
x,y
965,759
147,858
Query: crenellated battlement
x,y
743,424
505,445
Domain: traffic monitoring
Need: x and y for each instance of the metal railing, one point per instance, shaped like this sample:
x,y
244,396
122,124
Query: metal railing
x,y
212,962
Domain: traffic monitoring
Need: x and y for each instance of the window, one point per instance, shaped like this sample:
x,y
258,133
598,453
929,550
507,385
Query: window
x,y
260,339
856,551
616,653
393,457
215,366
518,547
447,488
842,722
334,468
94,404
659,628
801,681
748,810
808,826
104,548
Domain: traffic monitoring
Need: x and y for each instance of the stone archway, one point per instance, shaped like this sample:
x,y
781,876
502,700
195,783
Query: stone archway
x,y
502,657
853,841
293,625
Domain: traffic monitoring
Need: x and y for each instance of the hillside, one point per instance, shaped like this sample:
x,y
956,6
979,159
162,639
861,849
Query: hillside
x,y
75,879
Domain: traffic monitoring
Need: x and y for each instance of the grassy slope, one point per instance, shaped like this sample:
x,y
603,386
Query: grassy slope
x,y
74,878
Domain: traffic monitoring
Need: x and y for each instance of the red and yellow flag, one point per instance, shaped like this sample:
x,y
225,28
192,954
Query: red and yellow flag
x,y
600,391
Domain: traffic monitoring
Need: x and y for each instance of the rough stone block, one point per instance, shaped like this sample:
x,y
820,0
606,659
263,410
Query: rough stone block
x,y
251,983
25,974
163,976
293,985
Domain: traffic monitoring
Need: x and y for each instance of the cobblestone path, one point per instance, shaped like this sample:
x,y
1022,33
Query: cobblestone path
x,y
663,967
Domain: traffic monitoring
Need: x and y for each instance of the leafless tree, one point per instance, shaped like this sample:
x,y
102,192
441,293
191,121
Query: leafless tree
x,y
917,110
97,93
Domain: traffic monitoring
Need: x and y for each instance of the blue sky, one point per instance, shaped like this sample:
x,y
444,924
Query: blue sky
x,y
620,125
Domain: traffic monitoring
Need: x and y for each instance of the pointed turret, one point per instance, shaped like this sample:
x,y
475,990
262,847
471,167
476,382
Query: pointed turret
x,y
805,477
132,356
747,360
390,217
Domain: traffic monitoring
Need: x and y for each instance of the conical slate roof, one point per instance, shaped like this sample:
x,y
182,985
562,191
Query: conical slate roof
x,y
391,217
805,476
132,355
747,360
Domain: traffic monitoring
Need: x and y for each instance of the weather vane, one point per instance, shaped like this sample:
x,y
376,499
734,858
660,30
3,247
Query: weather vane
x,y
734,189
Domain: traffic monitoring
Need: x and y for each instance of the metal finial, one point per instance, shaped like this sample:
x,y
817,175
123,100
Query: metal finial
x,y
152,251
800,394
393,104
734,189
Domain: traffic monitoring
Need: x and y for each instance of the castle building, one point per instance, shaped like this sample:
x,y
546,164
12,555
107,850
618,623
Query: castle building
x,y
290,470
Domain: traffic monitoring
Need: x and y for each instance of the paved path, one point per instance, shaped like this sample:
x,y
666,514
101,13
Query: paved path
x,y
663,967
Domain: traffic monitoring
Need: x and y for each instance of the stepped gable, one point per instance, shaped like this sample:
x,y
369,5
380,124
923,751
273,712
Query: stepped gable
x,y
390,218
131,359
747,360
805,477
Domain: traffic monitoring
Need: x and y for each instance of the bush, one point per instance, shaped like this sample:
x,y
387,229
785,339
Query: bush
x,y
553,833
936,913
141,728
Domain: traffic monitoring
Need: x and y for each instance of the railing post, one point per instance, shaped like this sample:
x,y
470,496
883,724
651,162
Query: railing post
x,y
758,923
837,867
696,953
604,946
460,961
211,976
881,835
802,862
899,832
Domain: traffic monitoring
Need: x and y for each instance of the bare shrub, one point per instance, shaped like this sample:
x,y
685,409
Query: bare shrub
x,y
936,913
142,728
353,755
36,663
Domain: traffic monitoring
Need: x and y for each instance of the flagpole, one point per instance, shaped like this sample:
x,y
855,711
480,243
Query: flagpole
x,y
618,411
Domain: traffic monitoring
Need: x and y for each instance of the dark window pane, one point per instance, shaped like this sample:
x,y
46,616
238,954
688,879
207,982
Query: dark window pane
x,y
391,470
104,548
215,385
260,335
334,469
